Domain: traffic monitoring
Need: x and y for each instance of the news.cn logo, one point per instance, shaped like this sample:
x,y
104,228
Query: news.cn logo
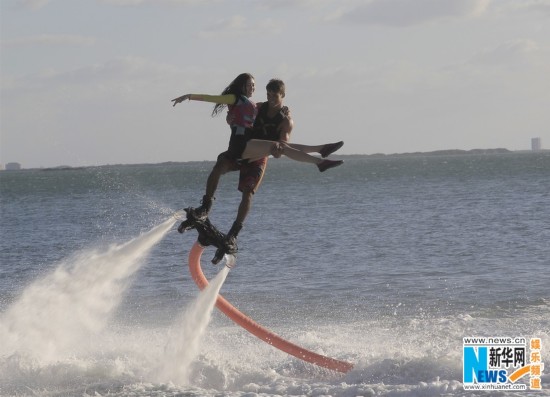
x,y
502,363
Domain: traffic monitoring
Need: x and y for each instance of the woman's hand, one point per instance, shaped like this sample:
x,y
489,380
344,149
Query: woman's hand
x,y
182,98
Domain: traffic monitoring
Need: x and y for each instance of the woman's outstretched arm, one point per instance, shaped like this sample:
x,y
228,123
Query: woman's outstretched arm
x,y
228,99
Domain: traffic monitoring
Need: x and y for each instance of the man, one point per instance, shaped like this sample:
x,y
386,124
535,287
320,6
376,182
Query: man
x,y
273,123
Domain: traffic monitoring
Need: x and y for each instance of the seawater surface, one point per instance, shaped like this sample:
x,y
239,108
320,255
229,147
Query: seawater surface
x,y
385,262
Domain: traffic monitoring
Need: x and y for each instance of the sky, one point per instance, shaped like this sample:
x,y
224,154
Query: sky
x,y
90,82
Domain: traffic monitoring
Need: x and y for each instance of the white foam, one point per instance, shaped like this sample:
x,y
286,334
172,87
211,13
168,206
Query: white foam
x,y
55,316
405,358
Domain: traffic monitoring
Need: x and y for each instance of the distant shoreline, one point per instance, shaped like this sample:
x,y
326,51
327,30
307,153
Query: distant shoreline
x,y
447,152
451,152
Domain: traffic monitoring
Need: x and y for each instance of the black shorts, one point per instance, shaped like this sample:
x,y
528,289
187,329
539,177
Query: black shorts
x,y
237,143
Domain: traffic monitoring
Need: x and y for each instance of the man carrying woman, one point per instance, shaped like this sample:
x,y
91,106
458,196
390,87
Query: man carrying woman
x,y
257,131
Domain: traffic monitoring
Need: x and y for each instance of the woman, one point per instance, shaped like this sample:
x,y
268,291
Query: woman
x,y
242,113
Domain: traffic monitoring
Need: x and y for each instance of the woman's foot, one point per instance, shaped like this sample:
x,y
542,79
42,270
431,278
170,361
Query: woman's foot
x,y
330,148
326,164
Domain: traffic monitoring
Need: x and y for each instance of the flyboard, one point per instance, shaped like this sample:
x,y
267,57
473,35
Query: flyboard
x,y
209,235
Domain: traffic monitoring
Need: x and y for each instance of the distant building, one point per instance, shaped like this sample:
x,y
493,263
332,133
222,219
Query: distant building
x,y
536,144
13,166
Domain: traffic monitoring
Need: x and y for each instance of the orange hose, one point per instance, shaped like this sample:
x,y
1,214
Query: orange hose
x,y
256,329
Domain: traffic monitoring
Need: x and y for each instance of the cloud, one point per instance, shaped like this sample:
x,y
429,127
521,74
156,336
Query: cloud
x,y
105,106
130,3
509,53
119,72
34,4
126,78
238,25
49,39
539,6
310,4
407,12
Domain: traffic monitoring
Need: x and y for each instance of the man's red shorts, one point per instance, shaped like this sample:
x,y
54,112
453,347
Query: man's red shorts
x,y
251,173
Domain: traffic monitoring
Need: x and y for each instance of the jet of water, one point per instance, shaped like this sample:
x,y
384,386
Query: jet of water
x,y
55,316
184,340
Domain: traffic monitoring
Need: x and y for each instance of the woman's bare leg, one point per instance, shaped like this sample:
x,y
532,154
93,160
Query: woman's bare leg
x,y
300,152
324,150
257,148
306,148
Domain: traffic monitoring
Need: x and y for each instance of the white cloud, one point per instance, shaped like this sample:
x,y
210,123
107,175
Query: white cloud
x,y
541,6
37,4
509,54
129,79
129,3
311,4
466,65
34,4
49,39
238,25
406,12
93,109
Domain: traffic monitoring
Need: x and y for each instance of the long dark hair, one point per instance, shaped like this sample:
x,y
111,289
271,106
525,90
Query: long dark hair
x,y
236,87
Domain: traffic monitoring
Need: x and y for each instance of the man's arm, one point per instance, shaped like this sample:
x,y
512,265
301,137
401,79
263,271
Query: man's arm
x,y
285,129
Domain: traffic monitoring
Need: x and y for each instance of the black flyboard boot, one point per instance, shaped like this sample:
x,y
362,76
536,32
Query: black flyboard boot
x,y
206,205
195,215
188,223
209,235
234,232
229,245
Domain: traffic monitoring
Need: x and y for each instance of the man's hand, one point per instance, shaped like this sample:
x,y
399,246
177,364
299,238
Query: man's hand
x,y
229,118
277,149
181,99
285,111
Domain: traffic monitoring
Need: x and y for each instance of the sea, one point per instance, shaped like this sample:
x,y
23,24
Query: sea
x,y
391,263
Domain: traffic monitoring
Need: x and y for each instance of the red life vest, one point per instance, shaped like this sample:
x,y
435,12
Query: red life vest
x,y
243,112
